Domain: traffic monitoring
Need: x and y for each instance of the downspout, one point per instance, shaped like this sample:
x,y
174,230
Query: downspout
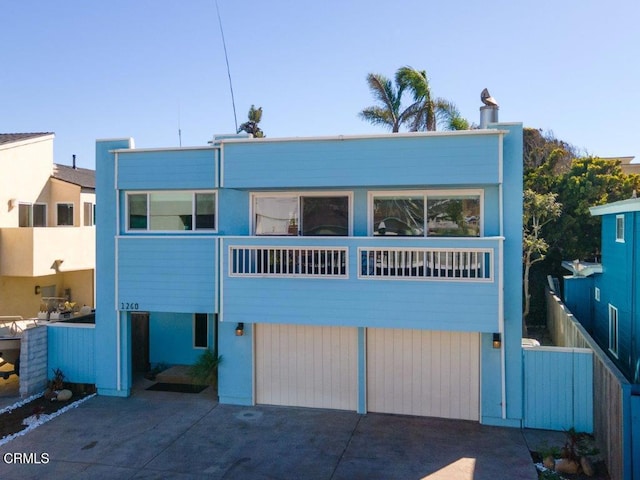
x,y
634,340
503,360
115,281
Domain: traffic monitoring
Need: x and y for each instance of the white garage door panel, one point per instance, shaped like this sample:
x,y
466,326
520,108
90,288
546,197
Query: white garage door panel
x,y
305,366
428,373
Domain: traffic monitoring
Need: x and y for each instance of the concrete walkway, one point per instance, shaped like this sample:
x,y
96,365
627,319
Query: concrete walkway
x,y
189,436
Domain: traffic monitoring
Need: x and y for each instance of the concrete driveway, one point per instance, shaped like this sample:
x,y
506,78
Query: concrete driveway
x,y
188,436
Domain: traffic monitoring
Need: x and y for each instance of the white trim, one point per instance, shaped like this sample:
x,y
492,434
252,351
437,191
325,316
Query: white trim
x,y
63,324
623,206
193,231
425,193
618,238
221,281
299,194
156,149
448,133
220,170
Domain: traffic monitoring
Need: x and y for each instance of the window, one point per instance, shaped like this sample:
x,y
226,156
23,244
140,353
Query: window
x,y
307,215
88,214
433,214
65,214
620,228
32,215
613,330
171,211
200,330
596,294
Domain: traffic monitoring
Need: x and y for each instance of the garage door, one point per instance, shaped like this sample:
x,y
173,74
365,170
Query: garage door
x,y
421,372
305,366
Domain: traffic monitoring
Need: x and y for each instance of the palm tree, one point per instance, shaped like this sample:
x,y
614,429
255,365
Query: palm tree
x,y
429,112
388,113
251,126
425,113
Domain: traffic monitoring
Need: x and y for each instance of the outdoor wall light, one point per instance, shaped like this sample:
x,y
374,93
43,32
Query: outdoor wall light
x,y
240,329
36,290
497,340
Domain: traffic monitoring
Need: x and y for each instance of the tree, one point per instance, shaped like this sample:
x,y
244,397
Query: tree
x,y
251,126
389,97
538,210
428,112
425,113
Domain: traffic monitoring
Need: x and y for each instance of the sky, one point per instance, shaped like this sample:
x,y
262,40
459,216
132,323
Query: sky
x,y
146,69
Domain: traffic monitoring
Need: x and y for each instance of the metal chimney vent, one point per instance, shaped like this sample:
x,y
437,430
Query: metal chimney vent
x,y
489,112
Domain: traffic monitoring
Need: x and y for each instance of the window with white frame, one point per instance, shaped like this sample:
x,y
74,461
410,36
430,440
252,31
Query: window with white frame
x,y
455,213
170,211
596,294
64,214
619,228
316,214
200,330
88,214
32,215
613,330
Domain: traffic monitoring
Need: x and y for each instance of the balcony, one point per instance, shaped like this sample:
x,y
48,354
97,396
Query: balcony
x,y
31,251
444,283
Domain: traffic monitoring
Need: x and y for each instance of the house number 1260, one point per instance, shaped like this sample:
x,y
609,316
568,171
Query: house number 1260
x,y
128,306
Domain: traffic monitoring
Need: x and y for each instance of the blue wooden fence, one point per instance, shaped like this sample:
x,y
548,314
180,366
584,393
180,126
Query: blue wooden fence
x,y
71,348
558,388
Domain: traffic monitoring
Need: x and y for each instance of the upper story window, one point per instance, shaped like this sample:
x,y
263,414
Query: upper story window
x,y
619,228
434,214
88,214
301,214
171,211
32,215
64,214
613,330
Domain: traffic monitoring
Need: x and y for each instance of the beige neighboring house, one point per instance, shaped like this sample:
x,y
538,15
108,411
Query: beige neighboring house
x,y
47,232
626,165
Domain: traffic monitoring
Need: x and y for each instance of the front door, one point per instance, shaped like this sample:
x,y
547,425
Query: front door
x,y
140,342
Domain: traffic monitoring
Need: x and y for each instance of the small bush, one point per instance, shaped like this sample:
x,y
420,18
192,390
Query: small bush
x,y
205,370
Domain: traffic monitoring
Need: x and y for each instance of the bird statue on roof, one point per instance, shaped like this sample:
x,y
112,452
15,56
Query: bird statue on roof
x,y
487,99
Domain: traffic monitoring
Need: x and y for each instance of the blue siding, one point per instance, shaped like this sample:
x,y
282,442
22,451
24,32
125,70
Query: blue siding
x,y
72,350
171,338
430,305
167,274
391,160
578,297
558,388
616,289
235,372
169,169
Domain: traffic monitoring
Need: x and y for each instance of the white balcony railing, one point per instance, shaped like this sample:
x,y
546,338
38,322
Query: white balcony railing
x,y
426,264
325,262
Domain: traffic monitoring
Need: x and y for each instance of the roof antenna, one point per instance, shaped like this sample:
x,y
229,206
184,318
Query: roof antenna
x,y
224,45
179,129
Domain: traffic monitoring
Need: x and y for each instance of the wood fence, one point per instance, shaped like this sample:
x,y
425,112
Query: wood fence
x,y
612,393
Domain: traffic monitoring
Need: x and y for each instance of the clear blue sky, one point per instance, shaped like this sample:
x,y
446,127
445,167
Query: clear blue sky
x,y
139,68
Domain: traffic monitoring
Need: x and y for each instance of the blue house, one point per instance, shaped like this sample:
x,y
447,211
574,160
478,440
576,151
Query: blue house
x,y
363,273
604,297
